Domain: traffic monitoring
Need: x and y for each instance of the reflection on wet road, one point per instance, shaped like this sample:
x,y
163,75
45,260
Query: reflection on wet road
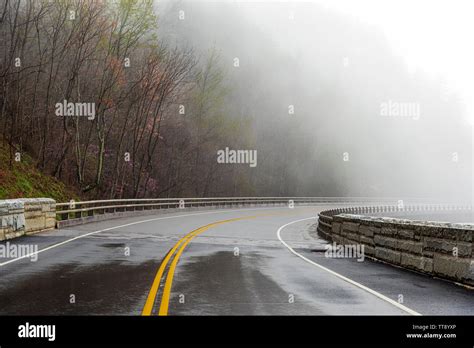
x,y
235,268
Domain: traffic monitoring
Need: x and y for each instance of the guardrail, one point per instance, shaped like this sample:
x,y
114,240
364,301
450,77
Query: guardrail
x,y
435,248
72,212
325,217
404,208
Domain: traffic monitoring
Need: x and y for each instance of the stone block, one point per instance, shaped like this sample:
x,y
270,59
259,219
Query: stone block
x,y
388,255
464,235
366,240
369,250
439,245
406,233
410,246
388,231
350,226
452,267
385,242
337,239
412,261
366,230
352,237
464,249
35,224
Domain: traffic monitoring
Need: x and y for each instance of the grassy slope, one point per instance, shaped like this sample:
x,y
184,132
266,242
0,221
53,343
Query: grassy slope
x,y
24,180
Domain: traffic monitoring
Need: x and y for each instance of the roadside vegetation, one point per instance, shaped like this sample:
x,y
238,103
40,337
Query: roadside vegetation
x,y
22,179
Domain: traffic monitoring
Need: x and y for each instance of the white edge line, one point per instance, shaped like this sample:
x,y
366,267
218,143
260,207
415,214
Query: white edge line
x,y
363,287
125,225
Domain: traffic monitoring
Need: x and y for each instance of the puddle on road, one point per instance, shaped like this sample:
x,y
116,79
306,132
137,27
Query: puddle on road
x,y
113,245
98,289
224,284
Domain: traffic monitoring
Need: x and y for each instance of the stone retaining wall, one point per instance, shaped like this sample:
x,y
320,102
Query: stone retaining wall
x,y
19,217
439,249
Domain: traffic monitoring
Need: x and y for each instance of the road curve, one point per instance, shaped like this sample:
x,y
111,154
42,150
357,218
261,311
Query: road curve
x,y
249,261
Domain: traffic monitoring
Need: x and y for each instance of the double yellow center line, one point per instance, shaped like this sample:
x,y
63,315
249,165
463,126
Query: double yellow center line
x,y
181,244
175,253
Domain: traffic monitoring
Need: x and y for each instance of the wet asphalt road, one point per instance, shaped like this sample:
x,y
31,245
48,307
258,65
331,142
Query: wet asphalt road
x,y
235,268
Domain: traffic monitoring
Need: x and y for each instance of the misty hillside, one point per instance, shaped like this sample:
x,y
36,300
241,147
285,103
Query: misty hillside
x,y
337,72
330,109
